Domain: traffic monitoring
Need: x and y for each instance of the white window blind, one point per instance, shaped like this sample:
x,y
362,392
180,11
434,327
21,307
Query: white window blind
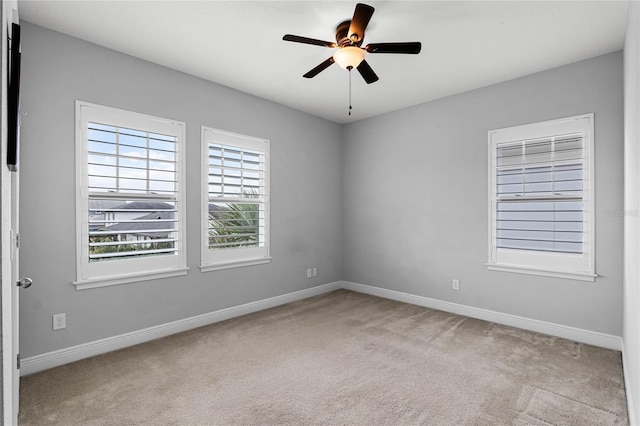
x,y
132,193
539,195
541,198
235,199
130,208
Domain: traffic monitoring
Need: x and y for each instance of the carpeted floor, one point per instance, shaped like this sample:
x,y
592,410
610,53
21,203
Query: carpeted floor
x,y
340,358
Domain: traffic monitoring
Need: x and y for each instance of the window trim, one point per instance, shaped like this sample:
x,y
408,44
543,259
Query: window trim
x,y
208,262
149,268
553,264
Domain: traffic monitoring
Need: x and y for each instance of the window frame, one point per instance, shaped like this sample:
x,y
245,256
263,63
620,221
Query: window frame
x,y
212,260
122,271
546,263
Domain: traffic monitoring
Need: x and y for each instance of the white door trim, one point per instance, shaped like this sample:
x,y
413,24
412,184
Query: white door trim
x,y
8,14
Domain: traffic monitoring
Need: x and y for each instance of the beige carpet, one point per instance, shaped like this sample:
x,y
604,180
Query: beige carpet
x,y
340,358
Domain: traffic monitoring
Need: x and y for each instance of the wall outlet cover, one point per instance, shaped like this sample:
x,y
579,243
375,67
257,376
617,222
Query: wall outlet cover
x,y
59,321
456,285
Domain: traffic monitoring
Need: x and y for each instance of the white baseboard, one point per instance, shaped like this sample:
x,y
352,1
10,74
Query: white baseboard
x,y
576,334
75,353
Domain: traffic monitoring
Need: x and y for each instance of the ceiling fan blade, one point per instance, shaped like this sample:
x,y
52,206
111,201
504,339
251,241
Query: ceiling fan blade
x,y
307,40
319,68
361,17
367,73
412,47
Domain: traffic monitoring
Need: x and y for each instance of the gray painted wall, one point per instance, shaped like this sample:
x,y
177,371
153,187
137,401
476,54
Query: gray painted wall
x,y
305,196
398,201
415,197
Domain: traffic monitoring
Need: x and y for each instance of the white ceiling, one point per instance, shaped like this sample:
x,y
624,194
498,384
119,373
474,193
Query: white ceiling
x,y
465,44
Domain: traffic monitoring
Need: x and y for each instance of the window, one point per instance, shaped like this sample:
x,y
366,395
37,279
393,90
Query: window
x,y
130,208
541,198
235,206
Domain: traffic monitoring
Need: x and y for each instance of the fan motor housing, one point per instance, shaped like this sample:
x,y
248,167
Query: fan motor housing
x,y
342,38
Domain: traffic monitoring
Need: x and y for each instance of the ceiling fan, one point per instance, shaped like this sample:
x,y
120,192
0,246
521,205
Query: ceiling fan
x,y
349,37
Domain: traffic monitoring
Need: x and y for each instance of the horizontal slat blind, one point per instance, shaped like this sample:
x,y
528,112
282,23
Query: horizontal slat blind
x,y
132,184
539,189
236,188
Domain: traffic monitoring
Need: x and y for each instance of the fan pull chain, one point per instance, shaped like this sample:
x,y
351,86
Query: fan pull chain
x,y
350,107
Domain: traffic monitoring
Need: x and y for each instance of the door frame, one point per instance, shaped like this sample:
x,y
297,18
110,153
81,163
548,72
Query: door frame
x,y
8,14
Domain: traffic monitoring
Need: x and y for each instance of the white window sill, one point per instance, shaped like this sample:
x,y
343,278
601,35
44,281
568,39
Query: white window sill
x,y
129,278
581,276
234,264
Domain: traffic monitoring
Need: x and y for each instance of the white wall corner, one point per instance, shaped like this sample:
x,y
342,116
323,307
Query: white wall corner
x,y
631,398
631,316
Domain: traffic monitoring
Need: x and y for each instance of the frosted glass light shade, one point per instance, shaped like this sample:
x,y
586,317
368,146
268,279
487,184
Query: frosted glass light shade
x,y
349,56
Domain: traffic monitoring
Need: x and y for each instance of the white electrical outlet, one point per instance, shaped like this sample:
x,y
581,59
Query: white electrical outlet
x,y
455,284
309,273
59,321
315,272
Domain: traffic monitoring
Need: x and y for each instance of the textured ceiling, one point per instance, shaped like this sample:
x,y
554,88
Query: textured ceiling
x,y
465,45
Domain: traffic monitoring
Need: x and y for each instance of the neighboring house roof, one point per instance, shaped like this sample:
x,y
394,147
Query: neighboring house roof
x,y
133,227
100,205
159,213
158,210
143,205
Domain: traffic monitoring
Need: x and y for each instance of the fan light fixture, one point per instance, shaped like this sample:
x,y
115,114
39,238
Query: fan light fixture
x,y
349,37
349,56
